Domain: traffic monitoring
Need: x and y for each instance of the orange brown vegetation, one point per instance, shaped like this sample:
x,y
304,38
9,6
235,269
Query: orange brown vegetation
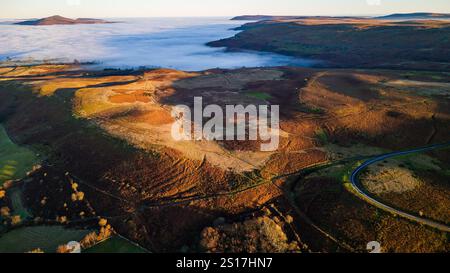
x,y
352,221
162,193
258,235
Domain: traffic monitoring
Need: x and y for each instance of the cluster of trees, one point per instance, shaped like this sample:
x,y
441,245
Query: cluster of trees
x,y
76,195
14,220
105,232
93,238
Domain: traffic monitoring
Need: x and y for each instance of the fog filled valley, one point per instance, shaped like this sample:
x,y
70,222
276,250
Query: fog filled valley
x,y
177,43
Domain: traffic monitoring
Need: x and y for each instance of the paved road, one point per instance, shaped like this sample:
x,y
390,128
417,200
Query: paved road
x,y
355,184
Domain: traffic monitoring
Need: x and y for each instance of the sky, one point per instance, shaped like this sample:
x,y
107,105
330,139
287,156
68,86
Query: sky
x,y
186,8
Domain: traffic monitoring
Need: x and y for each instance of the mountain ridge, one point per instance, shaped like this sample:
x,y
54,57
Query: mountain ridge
x,y
393,16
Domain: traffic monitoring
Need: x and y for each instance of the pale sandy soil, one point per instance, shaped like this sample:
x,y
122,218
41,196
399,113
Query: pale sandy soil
x,y
392,176
389,179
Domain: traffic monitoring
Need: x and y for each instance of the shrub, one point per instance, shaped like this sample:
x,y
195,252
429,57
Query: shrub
x,y
4,211
102,222
37,250
62,249
16,220
80,196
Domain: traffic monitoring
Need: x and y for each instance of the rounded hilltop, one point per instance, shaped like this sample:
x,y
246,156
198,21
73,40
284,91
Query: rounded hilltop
x,y
59,20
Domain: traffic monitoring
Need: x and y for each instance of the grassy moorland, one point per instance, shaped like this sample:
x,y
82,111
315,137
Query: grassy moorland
x,y
350,42
110,154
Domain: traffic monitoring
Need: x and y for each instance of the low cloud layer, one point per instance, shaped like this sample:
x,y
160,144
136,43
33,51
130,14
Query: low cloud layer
x,y
156,42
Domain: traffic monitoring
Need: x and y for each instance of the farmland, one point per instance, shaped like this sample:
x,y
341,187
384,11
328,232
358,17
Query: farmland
x,y
15,161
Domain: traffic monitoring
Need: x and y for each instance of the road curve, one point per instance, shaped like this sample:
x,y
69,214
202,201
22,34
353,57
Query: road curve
x,y
355,184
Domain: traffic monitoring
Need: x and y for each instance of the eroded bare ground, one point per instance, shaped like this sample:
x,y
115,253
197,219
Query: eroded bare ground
x,y
110,132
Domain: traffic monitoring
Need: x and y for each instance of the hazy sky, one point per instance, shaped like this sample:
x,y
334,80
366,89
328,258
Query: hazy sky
x,y
162,8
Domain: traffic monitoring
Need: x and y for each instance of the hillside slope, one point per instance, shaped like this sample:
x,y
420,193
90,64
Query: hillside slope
x,y
343,42
416,16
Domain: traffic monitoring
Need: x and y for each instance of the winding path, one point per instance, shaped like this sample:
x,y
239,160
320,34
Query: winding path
x,y
355,184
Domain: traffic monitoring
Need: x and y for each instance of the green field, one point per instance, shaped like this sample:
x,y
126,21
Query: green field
x,y
15,161
259,95
115,244
47,238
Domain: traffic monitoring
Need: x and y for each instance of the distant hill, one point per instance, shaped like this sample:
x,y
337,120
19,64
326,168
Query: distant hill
x,y
416,16
396,16
261,17
59,20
